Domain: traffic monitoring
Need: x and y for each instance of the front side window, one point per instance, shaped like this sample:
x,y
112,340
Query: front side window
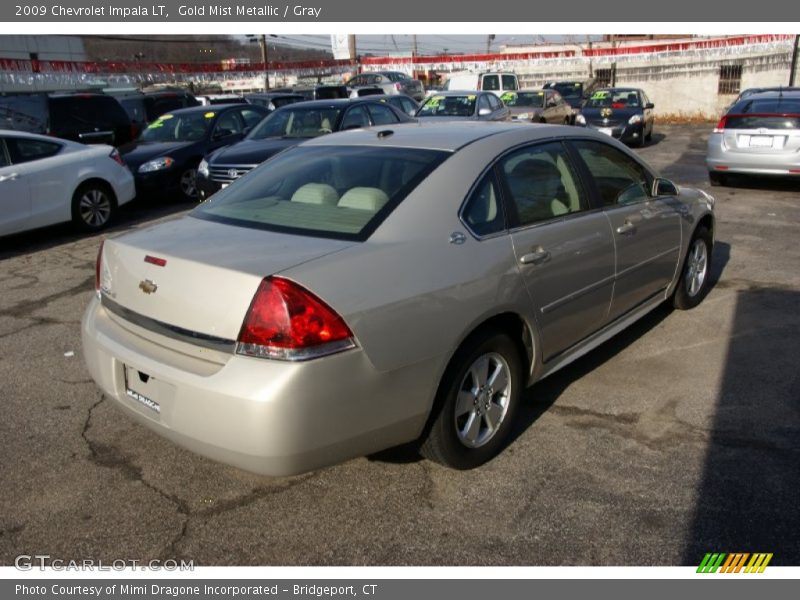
x,y
620,180
251,117
228,124
296,121
483,103
541,184
314,191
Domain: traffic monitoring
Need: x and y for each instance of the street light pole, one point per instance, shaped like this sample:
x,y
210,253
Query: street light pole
x,y
794,63
263,41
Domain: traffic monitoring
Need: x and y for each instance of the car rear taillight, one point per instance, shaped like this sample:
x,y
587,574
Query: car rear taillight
x,y
287,322
398,87
115,156
721,125
98,265
134,131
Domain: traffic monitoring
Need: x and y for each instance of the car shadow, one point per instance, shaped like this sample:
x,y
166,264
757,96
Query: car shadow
x,y
655,139
130,215
536,400
755,182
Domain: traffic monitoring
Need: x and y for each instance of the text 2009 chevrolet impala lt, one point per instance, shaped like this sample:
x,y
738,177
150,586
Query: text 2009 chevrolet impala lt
x,y
379,286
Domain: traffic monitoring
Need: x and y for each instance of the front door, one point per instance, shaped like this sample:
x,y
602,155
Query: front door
x,y
647,230
563,246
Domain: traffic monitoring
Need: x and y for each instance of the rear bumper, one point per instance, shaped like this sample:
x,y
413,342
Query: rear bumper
x,y
124,187
723,160
266,416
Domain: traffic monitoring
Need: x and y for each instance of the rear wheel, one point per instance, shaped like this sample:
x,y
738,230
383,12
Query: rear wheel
x,y
93,206
479,396
693,284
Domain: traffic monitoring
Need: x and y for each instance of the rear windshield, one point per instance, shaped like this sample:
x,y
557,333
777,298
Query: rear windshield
x,y
338,192
448,106
568,90
332,92
774,106
762,122
397,77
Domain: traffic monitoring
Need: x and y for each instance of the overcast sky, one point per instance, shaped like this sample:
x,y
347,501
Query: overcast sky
x,y
426,44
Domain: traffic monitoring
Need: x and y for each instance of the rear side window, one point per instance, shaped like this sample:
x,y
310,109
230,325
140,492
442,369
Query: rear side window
x,y
541,184
483,212
491,83
135,109
251,117
314,191
85,112
162,106
355,118
620,180
3,156
24,113
382,115
510,82
24,150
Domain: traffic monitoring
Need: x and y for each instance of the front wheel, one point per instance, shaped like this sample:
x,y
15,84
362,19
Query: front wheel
x,y
693,284
188,183
93,206
479,396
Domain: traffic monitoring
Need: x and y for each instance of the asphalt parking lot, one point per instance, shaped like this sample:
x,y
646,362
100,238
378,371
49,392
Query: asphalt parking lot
x,y
680,436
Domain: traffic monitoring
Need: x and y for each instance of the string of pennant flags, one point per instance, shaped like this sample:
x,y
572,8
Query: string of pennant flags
x,y
19,71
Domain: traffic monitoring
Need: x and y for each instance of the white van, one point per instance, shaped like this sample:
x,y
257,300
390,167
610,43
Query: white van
x,y
496,82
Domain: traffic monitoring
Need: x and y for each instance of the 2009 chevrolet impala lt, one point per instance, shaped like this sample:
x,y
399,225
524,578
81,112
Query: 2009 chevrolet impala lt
x,y
384,285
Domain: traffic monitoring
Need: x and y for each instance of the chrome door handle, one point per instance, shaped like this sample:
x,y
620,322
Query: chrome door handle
x,y
10,177
535,258
626,228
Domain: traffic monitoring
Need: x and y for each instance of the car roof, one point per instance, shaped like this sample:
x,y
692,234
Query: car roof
x,y
38,136
206,108
462,92
773,94
449,136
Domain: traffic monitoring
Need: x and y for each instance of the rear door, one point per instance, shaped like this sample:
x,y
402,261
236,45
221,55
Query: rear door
x,y
15,199
563,245
647,230
49,178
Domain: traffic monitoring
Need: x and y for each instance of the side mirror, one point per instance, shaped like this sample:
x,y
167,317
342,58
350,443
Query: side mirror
x,y
649,105
483,112
664,187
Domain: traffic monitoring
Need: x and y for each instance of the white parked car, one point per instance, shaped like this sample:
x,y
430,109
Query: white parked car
x,y
46,180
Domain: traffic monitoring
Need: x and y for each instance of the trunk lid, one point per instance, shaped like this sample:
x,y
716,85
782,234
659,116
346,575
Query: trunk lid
x,y
201,275
762,133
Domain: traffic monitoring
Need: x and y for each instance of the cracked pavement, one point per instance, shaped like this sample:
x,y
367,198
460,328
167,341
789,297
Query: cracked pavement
x,y
677,437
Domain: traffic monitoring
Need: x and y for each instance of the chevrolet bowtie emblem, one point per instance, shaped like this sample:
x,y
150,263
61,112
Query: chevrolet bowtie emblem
x,y
147,286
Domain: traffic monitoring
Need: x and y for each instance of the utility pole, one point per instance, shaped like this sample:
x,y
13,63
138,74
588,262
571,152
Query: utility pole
x,y
794,63
489,39
263,41
413,56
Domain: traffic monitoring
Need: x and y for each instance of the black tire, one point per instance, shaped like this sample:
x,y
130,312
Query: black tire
x,y
567,121
94,206
187,183
443,443
717,179
649,136
685,297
